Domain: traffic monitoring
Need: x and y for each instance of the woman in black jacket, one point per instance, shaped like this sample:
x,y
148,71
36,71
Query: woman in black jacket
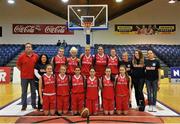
x,y
39,70
138,77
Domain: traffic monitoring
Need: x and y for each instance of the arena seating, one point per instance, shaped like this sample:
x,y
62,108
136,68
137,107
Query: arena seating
x,y
8,52
119,48
51,50
169,54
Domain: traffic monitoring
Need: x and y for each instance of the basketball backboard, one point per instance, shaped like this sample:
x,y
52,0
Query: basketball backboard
x,y
79,15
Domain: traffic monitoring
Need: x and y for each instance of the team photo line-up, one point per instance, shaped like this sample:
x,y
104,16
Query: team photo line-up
x,y
97,82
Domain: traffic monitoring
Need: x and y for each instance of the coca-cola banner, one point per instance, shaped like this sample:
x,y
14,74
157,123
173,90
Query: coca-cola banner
x,y
41,29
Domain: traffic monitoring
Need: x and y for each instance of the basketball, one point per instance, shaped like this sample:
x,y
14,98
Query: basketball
x,y
84,113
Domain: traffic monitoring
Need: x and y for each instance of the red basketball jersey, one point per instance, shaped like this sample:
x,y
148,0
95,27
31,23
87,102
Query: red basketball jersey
x,y
72,64
77,84
108,88
62,85
122,86
58,61
113,64
86,64
48,84
100,64
92,88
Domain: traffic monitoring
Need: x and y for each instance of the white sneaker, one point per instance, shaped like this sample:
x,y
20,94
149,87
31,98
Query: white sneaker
x,y
150,109
154,109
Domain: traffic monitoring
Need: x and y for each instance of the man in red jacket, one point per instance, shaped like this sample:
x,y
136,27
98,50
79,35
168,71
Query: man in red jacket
x,y
25,64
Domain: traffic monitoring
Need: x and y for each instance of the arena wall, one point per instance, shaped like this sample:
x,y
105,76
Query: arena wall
x,y
155,12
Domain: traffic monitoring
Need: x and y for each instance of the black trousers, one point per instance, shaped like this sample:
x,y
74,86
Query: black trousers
x,y
138,84
39,101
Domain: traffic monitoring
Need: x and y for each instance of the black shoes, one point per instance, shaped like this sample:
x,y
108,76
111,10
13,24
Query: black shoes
x,y
23,108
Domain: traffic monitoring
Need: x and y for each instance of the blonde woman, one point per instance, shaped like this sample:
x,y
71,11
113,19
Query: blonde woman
x,y
72,61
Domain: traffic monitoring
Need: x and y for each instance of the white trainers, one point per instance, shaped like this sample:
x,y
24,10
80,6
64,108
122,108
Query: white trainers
x,y
154,109
150,109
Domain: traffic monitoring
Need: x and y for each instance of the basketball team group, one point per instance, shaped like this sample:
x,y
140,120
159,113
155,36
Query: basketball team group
x,y
98,82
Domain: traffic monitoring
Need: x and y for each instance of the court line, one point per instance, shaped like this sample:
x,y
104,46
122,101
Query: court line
x,y
10,103
66,119
167,106
175,111
85,120
72,116
49,119
114,121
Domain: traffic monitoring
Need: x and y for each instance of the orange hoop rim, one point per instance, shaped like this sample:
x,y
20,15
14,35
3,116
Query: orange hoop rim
x,y
87,24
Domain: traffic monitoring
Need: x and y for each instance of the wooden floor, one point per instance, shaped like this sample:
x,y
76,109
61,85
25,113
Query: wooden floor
x,y
169,95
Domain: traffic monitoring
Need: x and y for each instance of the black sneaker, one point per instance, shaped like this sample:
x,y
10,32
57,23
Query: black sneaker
x,y
58,114
130,105
23,109
76,114
34,107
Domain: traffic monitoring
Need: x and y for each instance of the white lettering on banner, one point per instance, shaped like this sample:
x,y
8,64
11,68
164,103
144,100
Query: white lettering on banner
x,y
57,29
26,29
176,73
41,29
3,76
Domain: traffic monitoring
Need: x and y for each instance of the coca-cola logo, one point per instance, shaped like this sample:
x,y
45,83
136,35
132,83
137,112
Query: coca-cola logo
x,y
26,29
55,29
40,29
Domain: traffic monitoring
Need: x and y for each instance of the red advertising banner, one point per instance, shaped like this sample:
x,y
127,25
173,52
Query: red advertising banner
x,y
41,29
5,75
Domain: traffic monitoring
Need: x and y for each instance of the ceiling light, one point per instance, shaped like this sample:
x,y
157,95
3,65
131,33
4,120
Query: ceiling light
x,y
118,1
79,10
11,1
171,1
65,1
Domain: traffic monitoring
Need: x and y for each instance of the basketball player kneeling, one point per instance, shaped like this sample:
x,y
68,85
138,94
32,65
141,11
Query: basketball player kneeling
x,y
92,88
77,92
63,91
47,91
108,92
123,91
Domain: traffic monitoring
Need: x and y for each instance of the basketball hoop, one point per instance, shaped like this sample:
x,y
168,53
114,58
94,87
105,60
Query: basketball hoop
x,y
87,27
92,17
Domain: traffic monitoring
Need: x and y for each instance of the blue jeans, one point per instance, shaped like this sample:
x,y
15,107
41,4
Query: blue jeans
x,y
152,87
24,88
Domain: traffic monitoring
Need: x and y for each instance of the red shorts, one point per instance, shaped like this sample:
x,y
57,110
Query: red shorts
x,y
49,102
62,103
122,103
108,104
77,101
92,105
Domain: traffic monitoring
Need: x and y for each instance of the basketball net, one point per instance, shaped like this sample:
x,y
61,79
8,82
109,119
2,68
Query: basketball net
x,y
87,27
